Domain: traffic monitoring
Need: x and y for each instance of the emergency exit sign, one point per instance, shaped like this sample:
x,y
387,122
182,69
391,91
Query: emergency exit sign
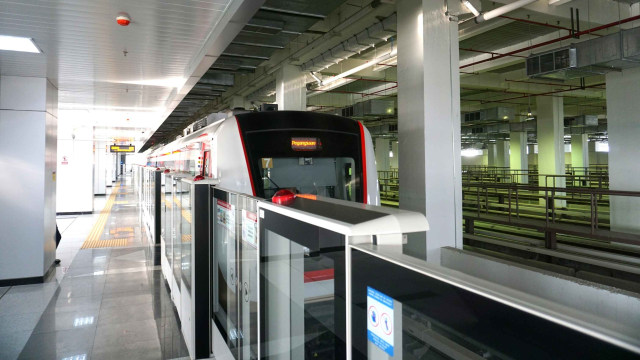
x,y
122,148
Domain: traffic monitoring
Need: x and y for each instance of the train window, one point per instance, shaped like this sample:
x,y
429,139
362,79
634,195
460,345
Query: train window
x,y
324,176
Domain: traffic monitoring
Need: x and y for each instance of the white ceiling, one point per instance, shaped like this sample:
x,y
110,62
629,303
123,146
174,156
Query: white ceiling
x,y
82,49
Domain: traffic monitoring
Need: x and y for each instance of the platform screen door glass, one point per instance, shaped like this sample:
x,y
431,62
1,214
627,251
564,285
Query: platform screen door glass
x,y
225,267
323,176
302,292
176,232
185,238
432,319
247,236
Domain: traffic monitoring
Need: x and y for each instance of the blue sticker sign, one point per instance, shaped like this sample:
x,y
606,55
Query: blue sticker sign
x,y
380,320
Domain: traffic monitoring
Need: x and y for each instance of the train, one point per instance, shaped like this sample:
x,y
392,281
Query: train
x,y
259,153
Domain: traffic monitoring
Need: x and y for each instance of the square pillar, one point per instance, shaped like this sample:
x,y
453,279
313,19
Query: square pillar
x,y
579,153
382,154
291,88
492,154
502,153
429,123
28,124
518,159
550,126
623,126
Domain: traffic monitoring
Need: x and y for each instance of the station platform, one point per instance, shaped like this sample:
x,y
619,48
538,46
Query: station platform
x,y
106,299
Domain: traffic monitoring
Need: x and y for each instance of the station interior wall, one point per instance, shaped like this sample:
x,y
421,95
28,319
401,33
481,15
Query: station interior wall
x,y
75,163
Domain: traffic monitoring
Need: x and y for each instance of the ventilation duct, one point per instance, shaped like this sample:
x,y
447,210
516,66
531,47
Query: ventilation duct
x,y
492,114
581,120
592,57
373,107
380,31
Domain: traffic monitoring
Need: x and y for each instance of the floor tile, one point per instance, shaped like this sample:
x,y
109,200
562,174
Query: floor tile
x,y
18,322
68,320
59,344
11,344
3,290
141,350
113,336
123,314
127,299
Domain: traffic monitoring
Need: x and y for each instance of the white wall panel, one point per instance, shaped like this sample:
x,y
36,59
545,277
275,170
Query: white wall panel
x,y
75,167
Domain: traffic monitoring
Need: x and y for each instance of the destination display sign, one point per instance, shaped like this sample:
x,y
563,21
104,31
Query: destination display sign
x,y
305,144
122,148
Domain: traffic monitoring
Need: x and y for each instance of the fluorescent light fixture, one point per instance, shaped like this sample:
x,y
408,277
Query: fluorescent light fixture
x,y
471,8
356,69
390,153
15,43
316,77
471,152
175,82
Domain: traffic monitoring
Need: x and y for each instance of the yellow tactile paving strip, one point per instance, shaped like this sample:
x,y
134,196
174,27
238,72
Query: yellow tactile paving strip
x,y
93,240
94,244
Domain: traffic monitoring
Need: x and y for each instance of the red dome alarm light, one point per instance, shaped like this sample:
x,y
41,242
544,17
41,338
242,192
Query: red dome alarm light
x,y
123,19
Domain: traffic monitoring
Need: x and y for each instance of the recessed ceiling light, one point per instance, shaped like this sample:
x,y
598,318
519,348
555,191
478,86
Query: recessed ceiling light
x,y
14,43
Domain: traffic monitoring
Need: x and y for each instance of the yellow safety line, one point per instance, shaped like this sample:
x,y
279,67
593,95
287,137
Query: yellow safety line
x,y
98,227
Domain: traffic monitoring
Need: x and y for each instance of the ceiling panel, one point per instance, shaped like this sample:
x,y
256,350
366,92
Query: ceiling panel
x,y
99,64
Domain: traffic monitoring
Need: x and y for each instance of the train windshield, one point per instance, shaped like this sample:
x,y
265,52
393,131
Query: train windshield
x,y
323,176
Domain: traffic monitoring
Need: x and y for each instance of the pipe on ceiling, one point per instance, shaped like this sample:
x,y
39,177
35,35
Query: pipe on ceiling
x,y
549,42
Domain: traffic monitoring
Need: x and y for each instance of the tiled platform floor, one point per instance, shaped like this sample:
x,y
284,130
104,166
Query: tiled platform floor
x,y
106,303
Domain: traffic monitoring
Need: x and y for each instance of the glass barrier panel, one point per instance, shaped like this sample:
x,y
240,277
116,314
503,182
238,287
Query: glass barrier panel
x,y
166,221
177,233
225,269
399,313
247,236
302,290
185,230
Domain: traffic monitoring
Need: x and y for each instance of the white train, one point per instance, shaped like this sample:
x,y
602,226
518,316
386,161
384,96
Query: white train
x,y
259,153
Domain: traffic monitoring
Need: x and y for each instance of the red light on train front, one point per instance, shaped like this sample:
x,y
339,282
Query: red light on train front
x,y
283,197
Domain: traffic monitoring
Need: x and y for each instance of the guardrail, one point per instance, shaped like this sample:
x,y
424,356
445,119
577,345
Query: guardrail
x,y
551,196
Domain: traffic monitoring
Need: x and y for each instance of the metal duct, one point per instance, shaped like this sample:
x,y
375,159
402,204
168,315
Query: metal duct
x,y
492,114
380,31
592,57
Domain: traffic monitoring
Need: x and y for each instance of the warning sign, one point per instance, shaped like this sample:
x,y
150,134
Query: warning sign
x,y
380,320
249,225
225,215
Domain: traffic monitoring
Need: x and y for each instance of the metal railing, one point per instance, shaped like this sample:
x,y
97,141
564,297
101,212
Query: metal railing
x,y
515,193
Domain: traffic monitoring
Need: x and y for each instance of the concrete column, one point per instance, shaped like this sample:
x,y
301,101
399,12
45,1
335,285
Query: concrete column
x,y
429,123
593,157
623,119
579,152
28,124
502,153
101,152
393,162
518,159
237,102
492,154
382,154
291,90
551,141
